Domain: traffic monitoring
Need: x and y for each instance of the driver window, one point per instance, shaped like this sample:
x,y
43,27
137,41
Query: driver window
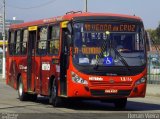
x,y
123,42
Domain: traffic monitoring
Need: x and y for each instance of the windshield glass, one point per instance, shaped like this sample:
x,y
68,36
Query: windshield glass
x,y
107,44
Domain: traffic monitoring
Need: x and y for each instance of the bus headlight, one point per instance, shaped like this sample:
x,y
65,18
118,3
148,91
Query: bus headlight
x,y
77,79
140,81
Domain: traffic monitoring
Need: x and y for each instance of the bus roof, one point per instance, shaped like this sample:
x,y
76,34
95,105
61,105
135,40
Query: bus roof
x,y
69,16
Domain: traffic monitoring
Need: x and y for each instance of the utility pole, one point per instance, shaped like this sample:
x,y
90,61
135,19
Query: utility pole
x,y
4,41
85,5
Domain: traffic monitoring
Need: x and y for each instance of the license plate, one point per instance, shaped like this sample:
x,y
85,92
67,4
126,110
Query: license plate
x,y
111,91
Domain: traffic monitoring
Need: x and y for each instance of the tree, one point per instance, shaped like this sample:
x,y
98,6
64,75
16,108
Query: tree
x,y
155,34
158,31
152,33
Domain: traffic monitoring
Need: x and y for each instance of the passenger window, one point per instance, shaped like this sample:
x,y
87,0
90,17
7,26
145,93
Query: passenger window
x,y
24,42
12,43
18,39
42,41
54,40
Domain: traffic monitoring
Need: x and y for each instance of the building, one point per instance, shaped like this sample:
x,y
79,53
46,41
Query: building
x,y
8,22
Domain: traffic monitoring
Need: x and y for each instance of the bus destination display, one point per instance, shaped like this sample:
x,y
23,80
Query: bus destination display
x,y
124,27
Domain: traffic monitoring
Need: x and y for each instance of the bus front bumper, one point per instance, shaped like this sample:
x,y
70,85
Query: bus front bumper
x,y
84,91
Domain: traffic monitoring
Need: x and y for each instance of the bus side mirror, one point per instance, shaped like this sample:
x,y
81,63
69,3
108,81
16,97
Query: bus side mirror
x,y
148,41
69,33
69,39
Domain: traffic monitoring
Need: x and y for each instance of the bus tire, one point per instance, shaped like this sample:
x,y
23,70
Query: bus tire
x,y
120,103
54,99
22,95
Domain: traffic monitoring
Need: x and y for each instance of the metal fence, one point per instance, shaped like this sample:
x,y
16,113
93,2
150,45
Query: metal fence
x,y
153,67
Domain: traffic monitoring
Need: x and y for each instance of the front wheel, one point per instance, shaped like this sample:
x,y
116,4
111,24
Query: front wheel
x,y
22,95
120,103
54,99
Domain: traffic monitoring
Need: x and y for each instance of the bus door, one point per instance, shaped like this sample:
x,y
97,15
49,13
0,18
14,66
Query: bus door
x,y
64,63
31,60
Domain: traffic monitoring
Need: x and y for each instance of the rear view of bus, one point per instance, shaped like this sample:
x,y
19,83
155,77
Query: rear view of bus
x,y
108,58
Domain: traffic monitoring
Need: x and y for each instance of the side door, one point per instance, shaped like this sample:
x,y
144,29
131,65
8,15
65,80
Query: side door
x,y
31,60
64,61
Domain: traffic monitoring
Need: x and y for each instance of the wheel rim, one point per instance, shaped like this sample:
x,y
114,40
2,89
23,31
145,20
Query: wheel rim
x,y
20,89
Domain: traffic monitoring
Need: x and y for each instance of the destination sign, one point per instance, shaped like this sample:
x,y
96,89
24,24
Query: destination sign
x,y
124,27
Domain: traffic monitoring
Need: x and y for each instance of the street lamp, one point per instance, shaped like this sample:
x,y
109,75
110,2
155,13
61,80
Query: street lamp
x,y
4,41
85,5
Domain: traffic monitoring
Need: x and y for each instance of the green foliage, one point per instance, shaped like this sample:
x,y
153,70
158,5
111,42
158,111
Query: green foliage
x,y
158,31
152,33
155,34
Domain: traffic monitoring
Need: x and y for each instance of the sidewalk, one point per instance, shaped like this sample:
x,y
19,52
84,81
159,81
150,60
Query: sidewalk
x,y
152,89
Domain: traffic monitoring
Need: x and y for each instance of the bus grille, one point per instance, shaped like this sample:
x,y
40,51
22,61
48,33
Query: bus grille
x,y
107,83
102,93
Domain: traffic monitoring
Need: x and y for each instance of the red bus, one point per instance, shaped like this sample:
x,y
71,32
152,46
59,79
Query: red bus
x,y
79,56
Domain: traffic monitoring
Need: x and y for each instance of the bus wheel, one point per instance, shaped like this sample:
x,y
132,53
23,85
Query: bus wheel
x,y
22,95
55,100
120,103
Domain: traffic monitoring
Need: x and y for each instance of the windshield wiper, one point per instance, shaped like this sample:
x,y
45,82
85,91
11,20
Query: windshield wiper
x,y
122,59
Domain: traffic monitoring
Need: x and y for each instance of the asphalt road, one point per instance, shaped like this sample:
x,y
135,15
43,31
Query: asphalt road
x,y
12,108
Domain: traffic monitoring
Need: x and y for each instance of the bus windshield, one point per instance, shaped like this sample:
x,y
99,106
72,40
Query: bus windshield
x,y
108,44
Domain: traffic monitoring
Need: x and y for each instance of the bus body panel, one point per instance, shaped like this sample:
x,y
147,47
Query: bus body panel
x,y
37,75
16,66
46,71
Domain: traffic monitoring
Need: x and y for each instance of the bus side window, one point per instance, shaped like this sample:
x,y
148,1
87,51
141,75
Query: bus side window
x,y
148,43
42,41
54,39
11,43
24,42
18,36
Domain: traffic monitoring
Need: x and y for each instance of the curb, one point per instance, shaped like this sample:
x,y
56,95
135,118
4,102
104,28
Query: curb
x,y
1,79
153,95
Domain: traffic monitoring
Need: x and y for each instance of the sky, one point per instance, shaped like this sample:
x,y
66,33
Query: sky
x,y
29,10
